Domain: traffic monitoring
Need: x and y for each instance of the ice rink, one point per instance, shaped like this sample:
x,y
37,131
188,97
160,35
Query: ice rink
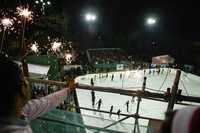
x,y
132,80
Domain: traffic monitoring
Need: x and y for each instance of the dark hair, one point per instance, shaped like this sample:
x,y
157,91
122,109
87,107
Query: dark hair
x,y
11,82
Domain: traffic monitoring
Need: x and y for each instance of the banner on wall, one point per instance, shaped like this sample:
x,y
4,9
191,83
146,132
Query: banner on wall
x,y
120,67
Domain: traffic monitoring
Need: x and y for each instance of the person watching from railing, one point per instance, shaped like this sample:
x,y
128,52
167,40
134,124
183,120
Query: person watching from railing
x,y
184,120
17,110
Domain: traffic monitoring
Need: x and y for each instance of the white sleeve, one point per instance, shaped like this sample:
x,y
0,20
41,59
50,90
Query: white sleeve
x,y
37,107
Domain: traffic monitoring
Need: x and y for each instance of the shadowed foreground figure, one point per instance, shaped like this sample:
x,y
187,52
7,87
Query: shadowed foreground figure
x,y
186,120
17,110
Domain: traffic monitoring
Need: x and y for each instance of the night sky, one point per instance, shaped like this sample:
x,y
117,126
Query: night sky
x,y
121,23
177,29
127,16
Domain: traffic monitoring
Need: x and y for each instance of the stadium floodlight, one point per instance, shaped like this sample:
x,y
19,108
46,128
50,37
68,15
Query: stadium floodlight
x,y
90,17
151,21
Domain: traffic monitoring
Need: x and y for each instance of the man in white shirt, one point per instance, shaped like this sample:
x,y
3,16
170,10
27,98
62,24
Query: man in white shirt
x,y
16,108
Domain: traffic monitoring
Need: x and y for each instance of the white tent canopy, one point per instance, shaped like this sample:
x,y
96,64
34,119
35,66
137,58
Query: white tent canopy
x,y
36,69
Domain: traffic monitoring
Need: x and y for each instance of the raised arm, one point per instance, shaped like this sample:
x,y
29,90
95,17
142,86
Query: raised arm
x,y
37,107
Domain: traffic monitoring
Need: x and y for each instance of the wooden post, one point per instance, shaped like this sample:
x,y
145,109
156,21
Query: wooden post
x,y
23,52
78,110
23,61
174,91
138,106
25,68
61,68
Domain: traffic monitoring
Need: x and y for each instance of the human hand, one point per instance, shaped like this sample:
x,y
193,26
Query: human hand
x,y
71,85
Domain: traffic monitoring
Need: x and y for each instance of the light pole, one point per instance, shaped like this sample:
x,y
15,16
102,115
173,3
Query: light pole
x,y
151,23
6,22
26,16
90,18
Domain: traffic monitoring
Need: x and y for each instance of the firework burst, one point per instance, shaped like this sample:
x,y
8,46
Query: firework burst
x,y
56,46
7,22
34,47
25,12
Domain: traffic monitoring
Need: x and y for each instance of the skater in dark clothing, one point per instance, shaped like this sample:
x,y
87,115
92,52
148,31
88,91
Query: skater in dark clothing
x,y
111,109
149,71
118,113
144,71
112,77
153,72
120,76
95,76
106,75
93,97
92,82
127,106
158,71
169,70
99,104
133,99
162,71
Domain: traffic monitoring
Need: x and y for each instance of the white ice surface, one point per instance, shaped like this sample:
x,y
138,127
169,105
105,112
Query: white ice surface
x,y
131,80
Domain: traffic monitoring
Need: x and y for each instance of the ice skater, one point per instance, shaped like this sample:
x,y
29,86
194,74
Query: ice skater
x,y
95,76
106,75
153,72
92,82
133,99
158,71
112,78
127,106
118,113
99,104
93,98
169,70
162,71
111,109
149,71
120,76
144,71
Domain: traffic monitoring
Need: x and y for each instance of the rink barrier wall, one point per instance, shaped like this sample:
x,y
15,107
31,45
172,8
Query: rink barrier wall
x,y
138,93
143,94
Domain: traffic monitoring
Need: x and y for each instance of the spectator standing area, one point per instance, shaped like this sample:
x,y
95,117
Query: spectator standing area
x,y
108,59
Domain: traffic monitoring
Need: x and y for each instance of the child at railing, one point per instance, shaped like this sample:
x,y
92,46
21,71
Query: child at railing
x,y
16,109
